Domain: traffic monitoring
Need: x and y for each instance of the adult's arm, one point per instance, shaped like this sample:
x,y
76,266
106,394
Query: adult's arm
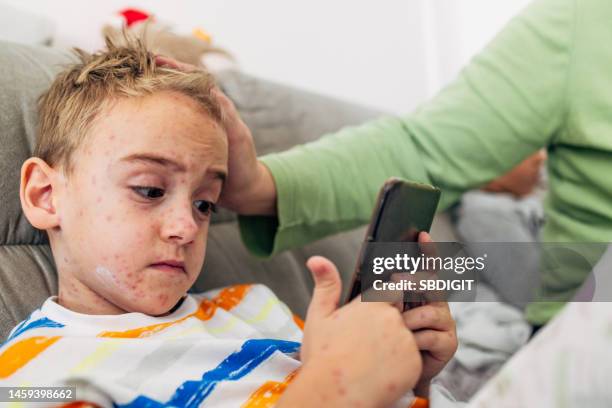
x,y
507,103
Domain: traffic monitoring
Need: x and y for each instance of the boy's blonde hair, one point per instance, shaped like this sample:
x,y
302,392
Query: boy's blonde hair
x,y
76,97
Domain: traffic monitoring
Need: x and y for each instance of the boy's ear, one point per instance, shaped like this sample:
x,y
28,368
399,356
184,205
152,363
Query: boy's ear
x,y
36,193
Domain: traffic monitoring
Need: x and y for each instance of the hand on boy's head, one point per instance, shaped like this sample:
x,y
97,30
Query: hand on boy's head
x,y
364,348
162,61
247,178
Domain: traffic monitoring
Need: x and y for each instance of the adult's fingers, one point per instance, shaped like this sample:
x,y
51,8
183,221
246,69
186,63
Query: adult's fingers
x,y
162,61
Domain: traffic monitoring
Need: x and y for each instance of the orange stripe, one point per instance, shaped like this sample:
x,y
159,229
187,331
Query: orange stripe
x,y
298,321
268,394
227,299
419,403
22,352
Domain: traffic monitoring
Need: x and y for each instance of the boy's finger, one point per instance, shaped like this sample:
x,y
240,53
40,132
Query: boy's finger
x,y
430,316
327,290
427,245
441,345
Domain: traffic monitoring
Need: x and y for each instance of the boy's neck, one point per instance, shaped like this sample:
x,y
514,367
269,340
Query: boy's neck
x,y
76,296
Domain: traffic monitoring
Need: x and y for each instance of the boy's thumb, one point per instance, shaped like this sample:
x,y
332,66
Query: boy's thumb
x,y
327,290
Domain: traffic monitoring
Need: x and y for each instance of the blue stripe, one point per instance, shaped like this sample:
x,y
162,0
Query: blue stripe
x,y
191,394
36,324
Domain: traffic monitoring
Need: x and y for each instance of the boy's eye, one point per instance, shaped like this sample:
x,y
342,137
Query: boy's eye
x,y
149,192
205,207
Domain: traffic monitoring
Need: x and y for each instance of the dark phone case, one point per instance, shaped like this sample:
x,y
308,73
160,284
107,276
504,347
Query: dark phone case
x,y
372,234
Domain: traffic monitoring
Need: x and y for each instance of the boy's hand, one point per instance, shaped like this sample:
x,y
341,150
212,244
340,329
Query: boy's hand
x,y
434,331
360,353
249,188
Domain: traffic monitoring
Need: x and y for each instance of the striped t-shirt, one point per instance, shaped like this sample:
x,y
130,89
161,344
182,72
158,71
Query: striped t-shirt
x,y
233,347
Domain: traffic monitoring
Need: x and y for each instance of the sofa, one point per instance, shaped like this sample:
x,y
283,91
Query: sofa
x,y
279,117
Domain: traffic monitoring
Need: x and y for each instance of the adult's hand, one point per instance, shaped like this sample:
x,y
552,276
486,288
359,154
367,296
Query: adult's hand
x,y
249,188
522,179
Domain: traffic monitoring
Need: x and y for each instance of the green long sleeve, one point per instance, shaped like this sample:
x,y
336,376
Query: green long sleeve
x,y
506,104
544,81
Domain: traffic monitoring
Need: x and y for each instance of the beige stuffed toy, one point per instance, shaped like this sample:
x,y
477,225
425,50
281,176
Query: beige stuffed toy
x,y
195,49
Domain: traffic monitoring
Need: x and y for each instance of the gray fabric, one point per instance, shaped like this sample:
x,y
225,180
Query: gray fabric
x,y
24,73
493,217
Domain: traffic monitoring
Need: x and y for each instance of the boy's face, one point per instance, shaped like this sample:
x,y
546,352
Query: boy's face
x,y
134,213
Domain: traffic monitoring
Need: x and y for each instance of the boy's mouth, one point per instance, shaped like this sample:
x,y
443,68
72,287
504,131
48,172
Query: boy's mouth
x,y
169,266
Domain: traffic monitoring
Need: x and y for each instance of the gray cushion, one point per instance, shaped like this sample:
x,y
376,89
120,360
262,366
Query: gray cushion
x,y
278,116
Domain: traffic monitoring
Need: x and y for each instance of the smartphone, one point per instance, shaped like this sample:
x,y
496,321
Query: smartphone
x,y
403,209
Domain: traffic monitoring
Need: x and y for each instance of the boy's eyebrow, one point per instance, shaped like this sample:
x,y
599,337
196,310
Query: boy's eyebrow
x,y
166,162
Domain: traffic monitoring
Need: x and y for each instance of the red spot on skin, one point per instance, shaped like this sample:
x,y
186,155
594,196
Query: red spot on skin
x,y
133,287
392,387
99,200
163,298
337,372
111,137
109,218
80,213
105,258
93,180
324,347
342,391
116,256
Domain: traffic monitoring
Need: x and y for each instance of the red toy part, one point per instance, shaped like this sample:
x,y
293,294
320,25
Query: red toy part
x,y
132,16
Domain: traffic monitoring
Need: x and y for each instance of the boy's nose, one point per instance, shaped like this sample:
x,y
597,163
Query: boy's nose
x,y
180,226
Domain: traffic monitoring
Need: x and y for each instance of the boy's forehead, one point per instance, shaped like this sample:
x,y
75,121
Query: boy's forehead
x,y
166,124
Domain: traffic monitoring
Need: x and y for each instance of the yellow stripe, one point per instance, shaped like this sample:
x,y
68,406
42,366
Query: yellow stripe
x,y
265,311
100,353
261,316
226,327
22,352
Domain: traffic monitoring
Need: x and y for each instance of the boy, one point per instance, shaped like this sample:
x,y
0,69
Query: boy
x,y
130,161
